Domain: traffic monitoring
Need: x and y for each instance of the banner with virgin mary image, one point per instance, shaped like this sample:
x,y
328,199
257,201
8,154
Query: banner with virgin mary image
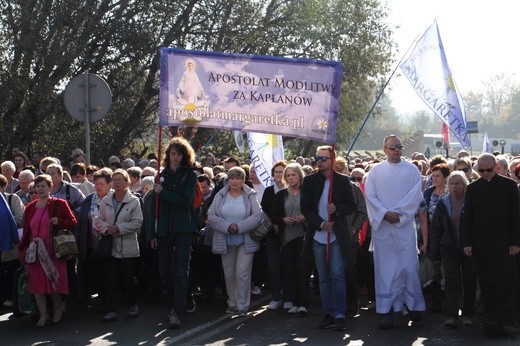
x,y
250,93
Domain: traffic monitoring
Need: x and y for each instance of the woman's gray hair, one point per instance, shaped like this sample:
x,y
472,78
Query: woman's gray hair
x,y
296,167
457,174
236,172
147,181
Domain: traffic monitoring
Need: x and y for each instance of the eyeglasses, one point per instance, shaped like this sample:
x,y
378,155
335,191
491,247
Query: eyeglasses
x,y
465,169
358,179
489,170
321,158
394,147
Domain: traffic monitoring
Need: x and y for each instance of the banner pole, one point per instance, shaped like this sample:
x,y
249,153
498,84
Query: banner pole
x,y
331,179
158,179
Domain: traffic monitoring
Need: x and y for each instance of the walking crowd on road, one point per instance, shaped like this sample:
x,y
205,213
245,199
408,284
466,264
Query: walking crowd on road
x,y
412,234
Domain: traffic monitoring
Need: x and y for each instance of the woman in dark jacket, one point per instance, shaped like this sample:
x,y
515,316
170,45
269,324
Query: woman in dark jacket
x,y
287,215
176,225
89,273
446,246
274,257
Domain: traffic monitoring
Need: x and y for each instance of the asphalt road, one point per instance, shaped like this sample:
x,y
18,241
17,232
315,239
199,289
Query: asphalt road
x,y
209,325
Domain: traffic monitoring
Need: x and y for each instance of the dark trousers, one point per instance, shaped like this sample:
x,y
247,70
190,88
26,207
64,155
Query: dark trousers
x,y
174,261
90,276
295,282
274,263
7,270
496,274
461,278
119,272
365,269
351,278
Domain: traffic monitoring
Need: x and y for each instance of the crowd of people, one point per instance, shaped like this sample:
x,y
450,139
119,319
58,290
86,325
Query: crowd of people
x,y
184,228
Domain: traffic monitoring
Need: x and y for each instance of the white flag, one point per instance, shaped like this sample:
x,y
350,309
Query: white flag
x,y
486,146
265,151
428,72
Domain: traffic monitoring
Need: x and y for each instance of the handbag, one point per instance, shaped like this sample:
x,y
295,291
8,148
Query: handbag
x,y
261,231
427,272
103,248
105,243
65,246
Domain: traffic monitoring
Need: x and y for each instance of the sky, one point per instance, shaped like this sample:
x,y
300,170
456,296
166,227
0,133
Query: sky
x,y
479,38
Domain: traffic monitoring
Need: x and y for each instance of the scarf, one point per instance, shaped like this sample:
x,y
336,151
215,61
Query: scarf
x,y
45,260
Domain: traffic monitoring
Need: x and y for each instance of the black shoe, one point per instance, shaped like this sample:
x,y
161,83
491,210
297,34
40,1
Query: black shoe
x,y
174,321
109,317
386,322
414,316
491,329
340,325
327,322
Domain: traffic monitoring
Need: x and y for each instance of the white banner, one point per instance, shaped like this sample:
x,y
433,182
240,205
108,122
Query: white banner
x,y
265,151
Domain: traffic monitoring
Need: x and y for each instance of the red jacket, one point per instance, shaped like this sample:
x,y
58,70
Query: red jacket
x,y
55,207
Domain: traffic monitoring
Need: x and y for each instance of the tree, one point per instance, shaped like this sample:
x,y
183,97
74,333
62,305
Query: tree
x,y
120,40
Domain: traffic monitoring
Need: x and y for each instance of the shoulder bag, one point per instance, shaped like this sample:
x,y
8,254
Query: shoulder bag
x,y
104,245
65,246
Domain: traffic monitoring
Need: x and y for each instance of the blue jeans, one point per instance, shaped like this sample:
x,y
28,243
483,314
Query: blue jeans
x,y
174,259
332,278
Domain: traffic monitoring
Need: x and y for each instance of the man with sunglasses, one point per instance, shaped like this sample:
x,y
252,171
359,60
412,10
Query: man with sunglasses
x,y
328,219
491,235
393,194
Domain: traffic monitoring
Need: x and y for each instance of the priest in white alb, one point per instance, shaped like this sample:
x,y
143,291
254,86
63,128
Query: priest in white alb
x,y
393,194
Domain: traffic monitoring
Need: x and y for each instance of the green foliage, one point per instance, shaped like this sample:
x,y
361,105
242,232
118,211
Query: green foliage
x,y
120,41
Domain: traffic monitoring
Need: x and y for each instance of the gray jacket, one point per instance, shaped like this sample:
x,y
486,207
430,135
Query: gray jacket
x,y
220,225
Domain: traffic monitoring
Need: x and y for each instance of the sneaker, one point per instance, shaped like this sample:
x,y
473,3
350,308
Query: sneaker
x,y
293,310
371,305
231,310
190,305
274,305
287,305
174,321
109,317
242,313
302,311
327,322
467,321
8,303
340,325
133,311
256,291
450,323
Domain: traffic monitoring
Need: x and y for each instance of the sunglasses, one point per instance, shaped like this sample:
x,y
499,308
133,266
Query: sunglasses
x,y
394,147
489,170
358,179
321,158
465,169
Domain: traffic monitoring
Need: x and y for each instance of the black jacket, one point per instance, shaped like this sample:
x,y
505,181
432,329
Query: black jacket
x,y
342,198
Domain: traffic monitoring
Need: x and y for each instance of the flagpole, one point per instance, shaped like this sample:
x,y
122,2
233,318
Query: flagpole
x,y
206,144
379,96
